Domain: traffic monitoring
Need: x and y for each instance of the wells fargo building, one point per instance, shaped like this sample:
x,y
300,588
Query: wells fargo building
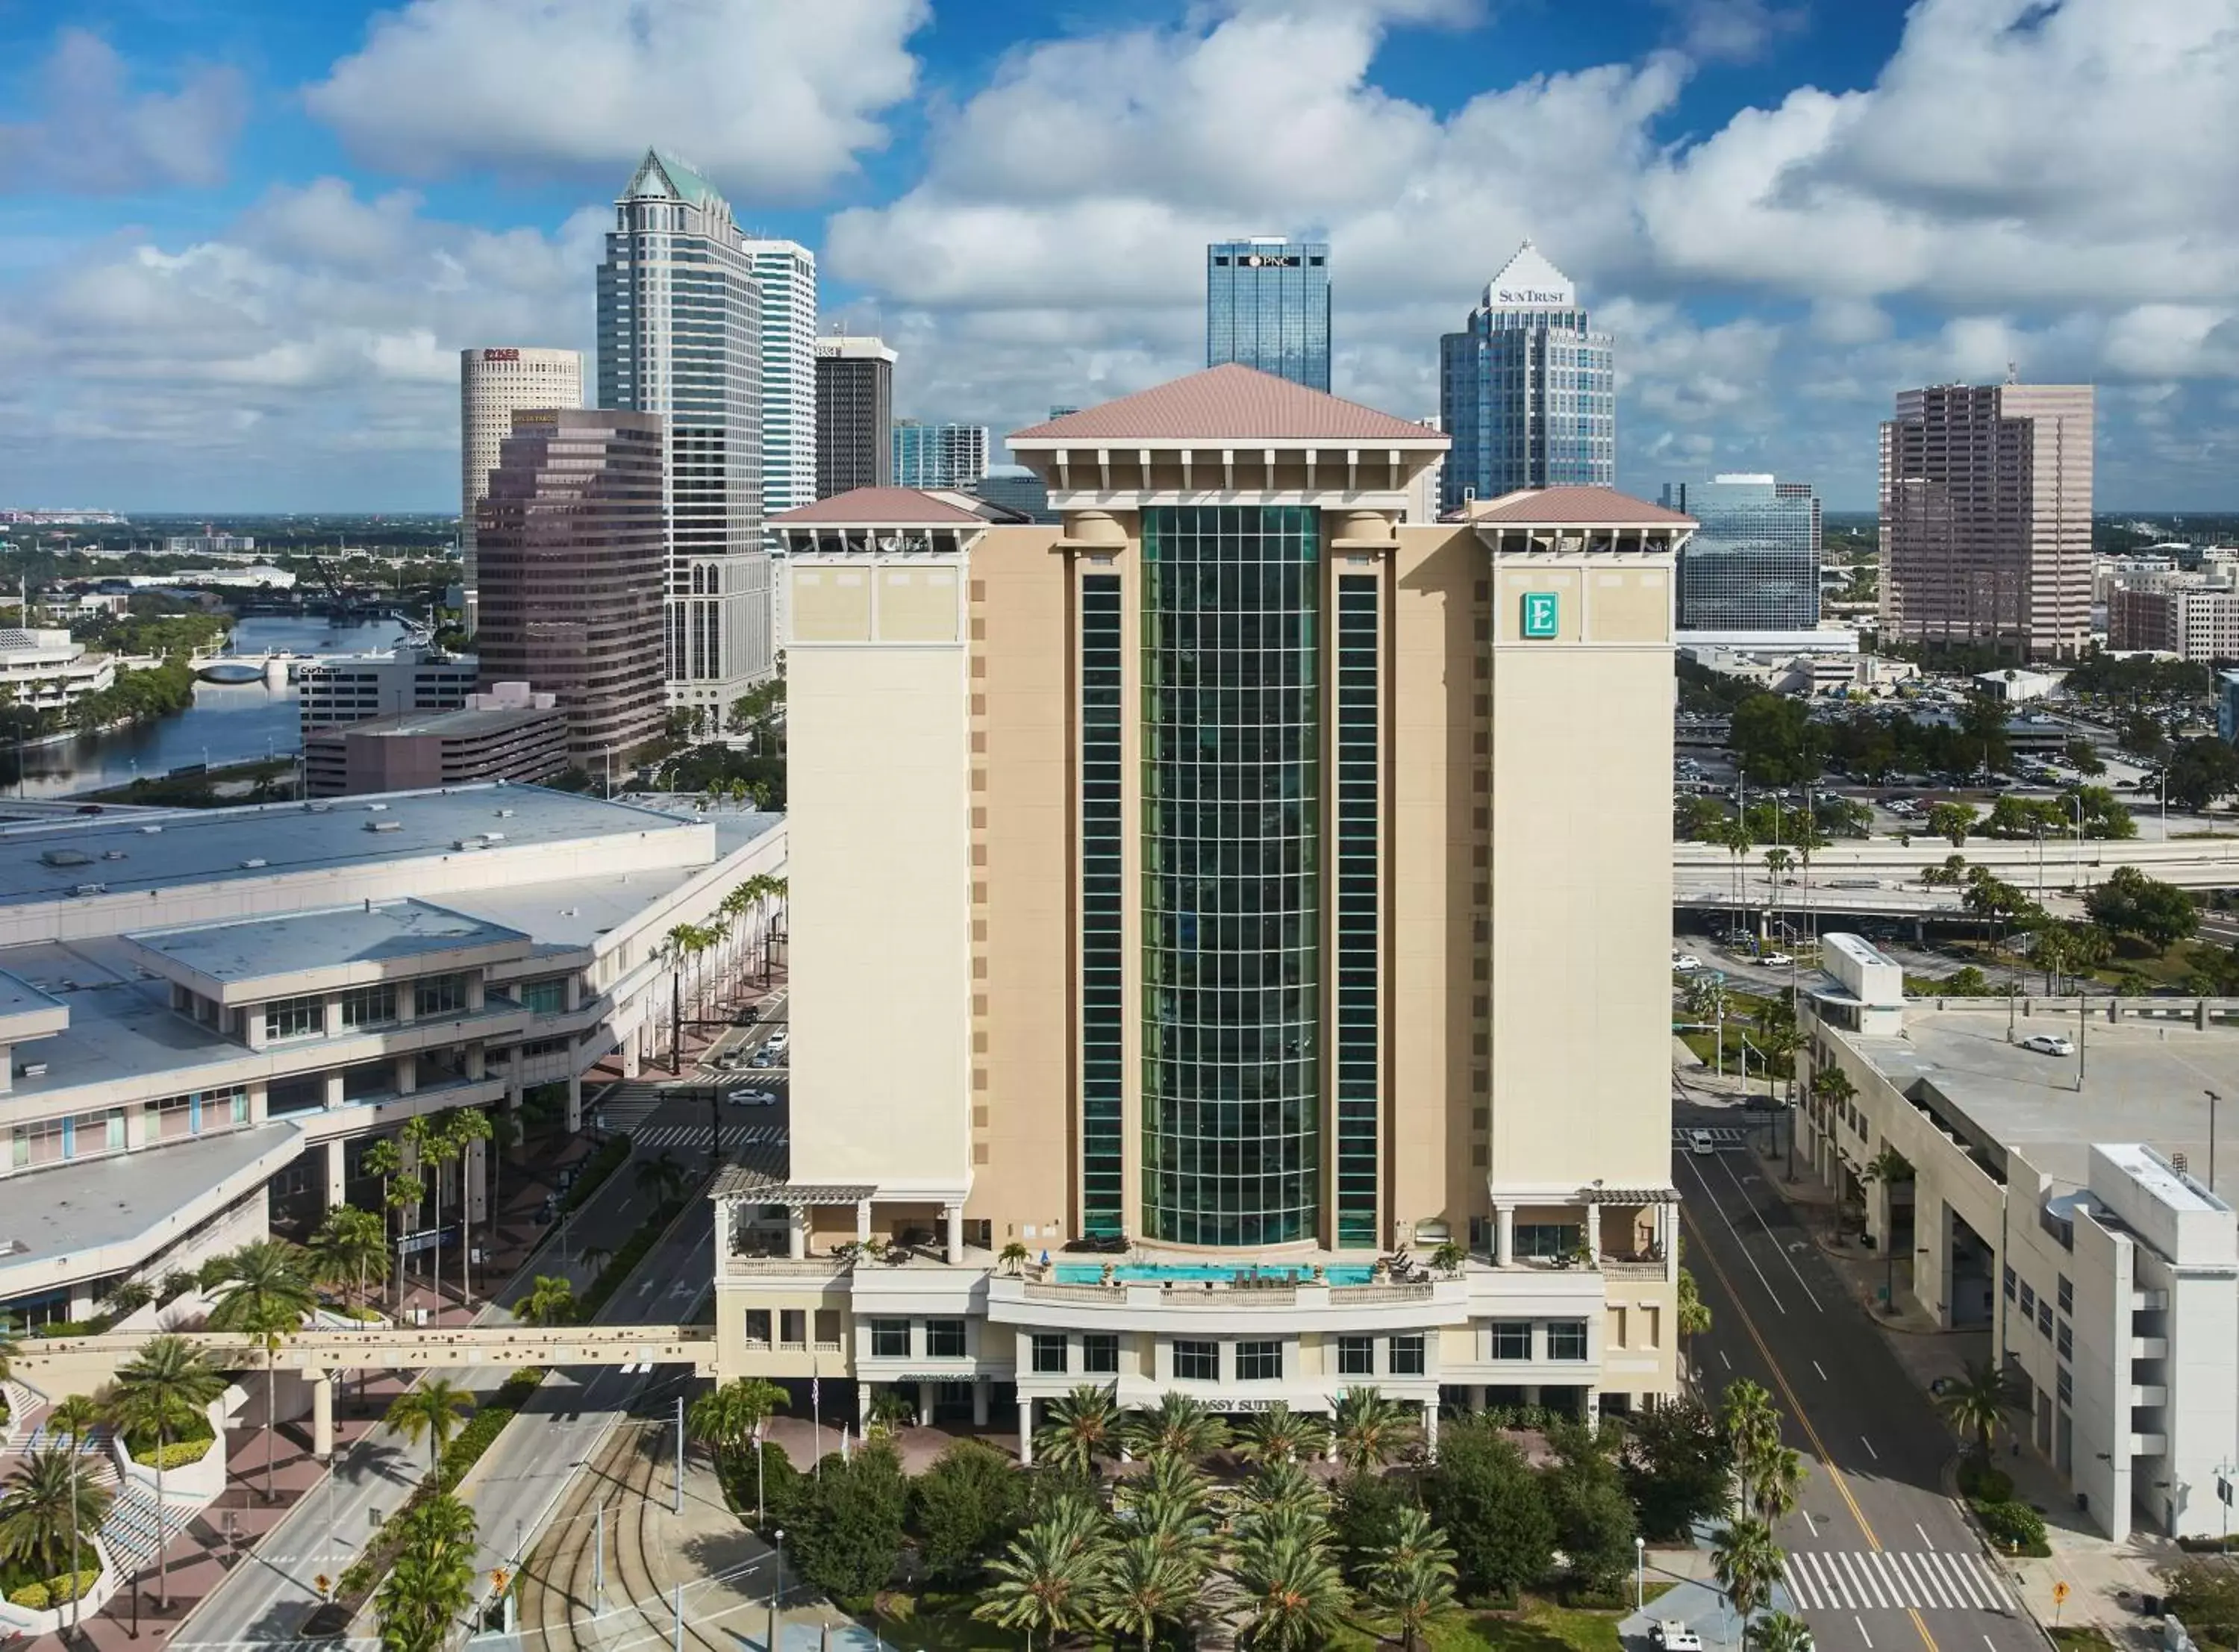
x,y
1217,895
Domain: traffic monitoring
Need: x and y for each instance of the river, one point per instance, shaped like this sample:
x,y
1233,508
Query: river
x,y
228,723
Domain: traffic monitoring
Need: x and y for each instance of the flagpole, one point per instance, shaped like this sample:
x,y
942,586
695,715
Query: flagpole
x,y
816,1416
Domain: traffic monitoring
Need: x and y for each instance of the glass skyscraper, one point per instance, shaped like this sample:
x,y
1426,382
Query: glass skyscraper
x,y
680,335
939,456
1753,564
1528,391
1267,305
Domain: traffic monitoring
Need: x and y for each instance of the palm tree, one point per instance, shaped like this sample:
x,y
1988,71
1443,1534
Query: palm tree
x,y
1281,1434
892,1410
663,1178
45,1506
1051,1576
161,1390
1780,1632
1170,1503
1013,1257
1297,1597
1747,1563
730,1418
76,1416
265,1294
435,1408
1735,838
1282,1490
551,1302
1751,1425
438,1145
1143,1586
1371,1430
1694,1312
468,1125
1777,1483
351,1247
1083,1427
1412,1577
406,1193
433,1580
1978,1403
1179,1426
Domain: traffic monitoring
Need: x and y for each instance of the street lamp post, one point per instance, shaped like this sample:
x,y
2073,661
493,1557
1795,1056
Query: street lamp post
x,y
1639,1574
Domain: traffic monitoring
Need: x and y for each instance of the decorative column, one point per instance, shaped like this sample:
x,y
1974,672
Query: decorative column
x,y
323,1413
954,1214
1431,1428
981,1387
925,1397
1505,1219
796,1234
862,1221
1026,1432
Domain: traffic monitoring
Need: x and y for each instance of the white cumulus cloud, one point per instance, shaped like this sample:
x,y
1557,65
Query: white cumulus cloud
x,y
90,131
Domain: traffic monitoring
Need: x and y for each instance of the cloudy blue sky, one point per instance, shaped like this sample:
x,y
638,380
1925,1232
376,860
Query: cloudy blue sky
x,y
242,241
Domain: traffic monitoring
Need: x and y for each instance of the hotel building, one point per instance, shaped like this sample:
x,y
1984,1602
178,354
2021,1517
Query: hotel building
x,y
1986,517
1246,888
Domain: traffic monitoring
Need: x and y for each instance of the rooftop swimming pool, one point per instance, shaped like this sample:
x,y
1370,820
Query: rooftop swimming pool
x,y
1089,1273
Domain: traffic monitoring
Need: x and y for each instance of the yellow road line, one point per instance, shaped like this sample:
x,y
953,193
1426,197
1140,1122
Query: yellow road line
x,y
1795,1405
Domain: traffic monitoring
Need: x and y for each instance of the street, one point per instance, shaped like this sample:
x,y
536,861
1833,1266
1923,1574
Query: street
x,y
1878,1556
518,1482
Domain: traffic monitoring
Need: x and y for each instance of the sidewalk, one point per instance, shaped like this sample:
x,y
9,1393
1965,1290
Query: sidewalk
x,y
2104,1578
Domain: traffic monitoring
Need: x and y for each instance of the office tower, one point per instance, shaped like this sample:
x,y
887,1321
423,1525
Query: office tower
x,y
680,335
1016,487
939,456
574,545
1753,563
785,280
1527,390
1986,517
1267,305
493,382
854,415
1285,885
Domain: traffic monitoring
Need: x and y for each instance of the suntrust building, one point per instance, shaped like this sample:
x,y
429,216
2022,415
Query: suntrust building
x,y
1221,901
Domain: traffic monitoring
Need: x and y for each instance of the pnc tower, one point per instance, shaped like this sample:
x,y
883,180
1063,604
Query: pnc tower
x,y
680,335
1281,886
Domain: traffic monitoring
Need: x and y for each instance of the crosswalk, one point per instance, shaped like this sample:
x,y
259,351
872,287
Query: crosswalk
x,y
1860,1580
1724,1138
735,1135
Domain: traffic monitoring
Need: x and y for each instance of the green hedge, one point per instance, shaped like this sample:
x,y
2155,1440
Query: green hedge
x,y
464,1450
41,1597
1981,1482
613,1154
176,1455
2014,1525
632,1252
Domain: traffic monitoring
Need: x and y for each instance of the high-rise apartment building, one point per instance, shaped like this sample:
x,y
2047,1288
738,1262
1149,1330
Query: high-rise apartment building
x,y
1986,517
785,280
1267,305
1753,563
574,545
939,456
493,381
1286,886
680,335
854,415
1527,390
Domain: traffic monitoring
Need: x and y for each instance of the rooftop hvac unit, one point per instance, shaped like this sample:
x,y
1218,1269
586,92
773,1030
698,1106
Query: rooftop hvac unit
x,y
91,889
253,863
32,1070
384,825
64,858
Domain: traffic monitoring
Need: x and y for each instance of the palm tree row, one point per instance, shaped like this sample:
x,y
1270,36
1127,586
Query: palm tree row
x,y
431,1582
1770,1477
1087,1427
1177,1549
438,1141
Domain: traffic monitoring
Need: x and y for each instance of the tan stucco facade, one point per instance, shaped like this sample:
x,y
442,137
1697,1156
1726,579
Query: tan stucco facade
x,y
1523,891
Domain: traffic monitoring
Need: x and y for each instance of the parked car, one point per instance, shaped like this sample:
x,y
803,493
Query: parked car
x,y
2050,1043
1775,960
1685,962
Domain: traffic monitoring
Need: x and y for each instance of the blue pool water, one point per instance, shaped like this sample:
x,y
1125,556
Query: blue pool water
x,y
1089,1273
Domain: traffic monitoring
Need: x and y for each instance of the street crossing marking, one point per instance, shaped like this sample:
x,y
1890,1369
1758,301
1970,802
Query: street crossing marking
x,y
1870,1579
696,1135
1724,1138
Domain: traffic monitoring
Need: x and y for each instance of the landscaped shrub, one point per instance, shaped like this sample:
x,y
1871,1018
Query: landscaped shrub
x,y
1981,1481
175,1454
2011,1523
43,1597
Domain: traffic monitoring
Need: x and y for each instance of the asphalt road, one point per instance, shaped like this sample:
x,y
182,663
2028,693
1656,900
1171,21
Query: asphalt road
x,y
1880,1559
521,1478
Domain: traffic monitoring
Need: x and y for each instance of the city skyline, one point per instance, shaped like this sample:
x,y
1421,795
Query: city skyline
x,y
247,308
